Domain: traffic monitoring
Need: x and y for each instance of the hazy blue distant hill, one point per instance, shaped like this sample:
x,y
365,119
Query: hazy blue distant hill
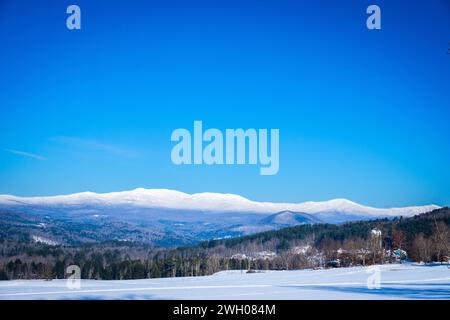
x,y
288,218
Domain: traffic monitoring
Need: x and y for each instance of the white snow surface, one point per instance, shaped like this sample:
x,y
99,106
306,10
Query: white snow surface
x,y
39,239
406,281
171,199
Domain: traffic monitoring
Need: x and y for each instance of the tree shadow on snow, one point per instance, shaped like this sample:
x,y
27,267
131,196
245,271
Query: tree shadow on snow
x,y
130,296
412,291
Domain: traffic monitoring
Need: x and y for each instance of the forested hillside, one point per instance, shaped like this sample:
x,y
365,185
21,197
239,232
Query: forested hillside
x,y
424,238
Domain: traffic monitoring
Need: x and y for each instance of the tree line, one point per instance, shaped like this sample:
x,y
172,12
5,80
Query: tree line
x,y
423,238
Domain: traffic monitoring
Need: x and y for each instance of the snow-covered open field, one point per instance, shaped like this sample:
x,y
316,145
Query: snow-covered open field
x,y
406,281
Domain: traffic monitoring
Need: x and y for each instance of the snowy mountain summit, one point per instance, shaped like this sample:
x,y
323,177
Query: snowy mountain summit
x,y
211,202
170,218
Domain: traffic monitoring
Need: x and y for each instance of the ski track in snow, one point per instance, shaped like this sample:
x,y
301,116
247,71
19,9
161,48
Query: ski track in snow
x,y
397,282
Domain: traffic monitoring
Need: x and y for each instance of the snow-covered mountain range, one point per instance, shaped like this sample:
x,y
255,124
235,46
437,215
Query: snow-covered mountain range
x,y
209,202
168,217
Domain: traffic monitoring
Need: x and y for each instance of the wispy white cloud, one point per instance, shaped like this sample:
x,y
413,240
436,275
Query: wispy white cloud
x,y
95,145
25,154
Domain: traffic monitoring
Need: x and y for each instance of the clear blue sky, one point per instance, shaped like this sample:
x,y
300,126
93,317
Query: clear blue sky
x,y
362,114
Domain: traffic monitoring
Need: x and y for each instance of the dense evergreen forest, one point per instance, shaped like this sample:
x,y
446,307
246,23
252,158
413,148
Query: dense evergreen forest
x,y
423,238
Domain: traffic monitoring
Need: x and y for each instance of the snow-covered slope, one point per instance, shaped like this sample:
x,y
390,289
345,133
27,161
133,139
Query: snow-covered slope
x,y
396,282
211,202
